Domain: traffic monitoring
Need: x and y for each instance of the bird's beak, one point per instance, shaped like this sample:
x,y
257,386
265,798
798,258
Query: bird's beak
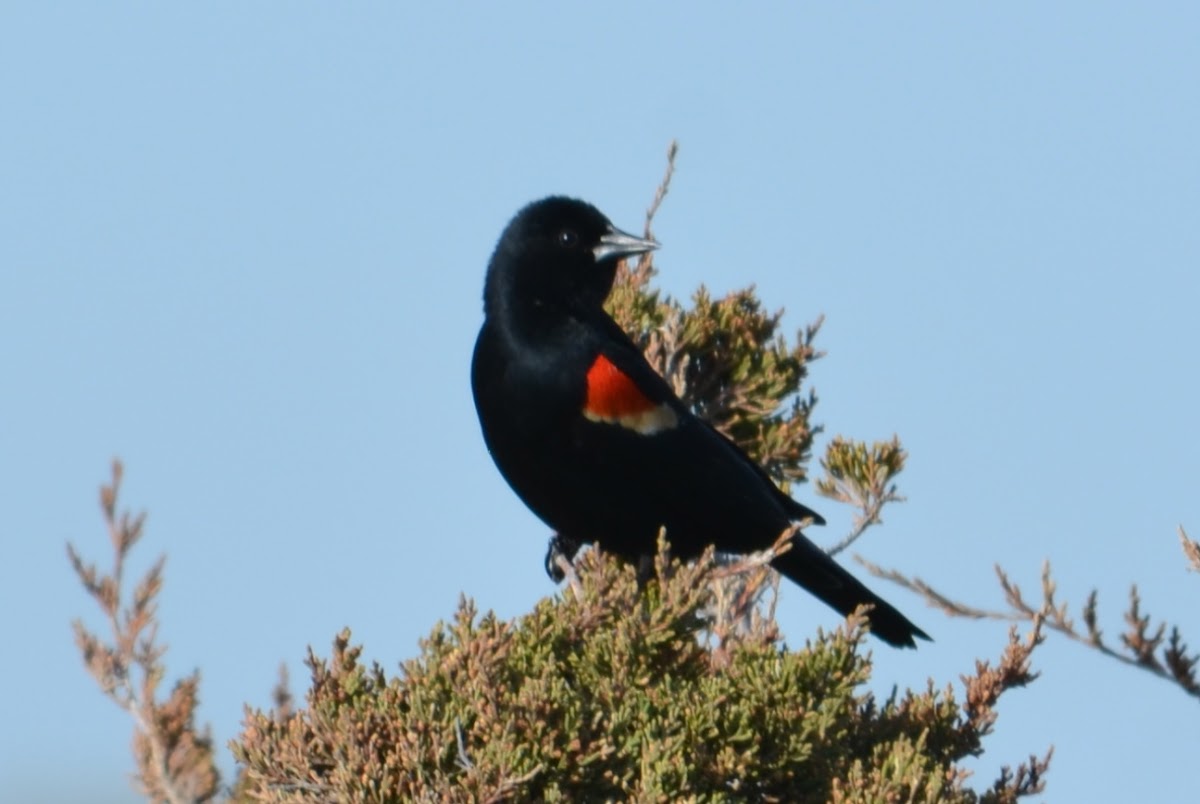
x,y
615,243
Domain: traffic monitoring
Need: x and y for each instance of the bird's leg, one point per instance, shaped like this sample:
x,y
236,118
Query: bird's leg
x,y
560,555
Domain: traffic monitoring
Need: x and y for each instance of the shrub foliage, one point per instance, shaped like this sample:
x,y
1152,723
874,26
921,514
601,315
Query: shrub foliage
x,y
609,694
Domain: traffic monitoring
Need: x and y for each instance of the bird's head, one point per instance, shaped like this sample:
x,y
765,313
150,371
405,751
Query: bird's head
x,y
558,254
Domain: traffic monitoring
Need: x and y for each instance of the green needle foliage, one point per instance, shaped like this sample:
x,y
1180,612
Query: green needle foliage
x,y
608,694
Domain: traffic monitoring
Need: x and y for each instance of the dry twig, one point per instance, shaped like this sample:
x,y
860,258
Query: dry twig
x,y
1144,646
663,186
174,759
745,591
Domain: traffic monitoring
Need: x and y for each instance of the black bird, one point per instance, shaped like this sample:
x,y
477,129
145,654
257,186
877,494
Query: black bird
x,y
594,441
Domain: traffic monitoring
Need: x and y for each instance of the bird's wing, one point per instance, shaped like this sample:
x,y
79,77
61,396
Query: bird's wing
x,y
624,389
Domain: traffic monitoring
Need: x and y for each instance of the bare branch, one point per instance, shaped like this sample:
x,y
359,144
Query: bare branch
x,y
742,587
174,759
1025,781
868,515
1145,646
933,597
663,186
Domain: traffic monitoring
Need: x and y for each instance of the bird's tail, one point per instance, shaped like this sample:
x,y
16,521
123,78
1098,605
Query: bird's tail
x,y
809,566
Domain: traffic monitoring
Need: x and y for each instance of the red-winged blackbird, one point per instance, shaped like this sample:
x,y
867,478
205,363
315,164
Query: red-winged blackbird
x,y
596,443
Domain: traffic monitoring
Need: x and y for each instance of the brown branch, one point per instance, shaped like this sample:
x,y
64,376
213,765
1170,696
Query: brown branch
x,y
739,585
989,683
869,514
1025,781
174,759
1147,647
663,186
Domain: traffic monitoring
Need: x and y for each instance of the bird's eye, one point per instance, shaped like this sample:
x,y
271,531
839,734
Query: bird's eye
x,y
567,238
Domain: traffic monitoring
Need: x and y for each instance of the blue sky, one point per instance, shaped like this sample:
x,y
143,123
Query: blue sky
x,y
242,248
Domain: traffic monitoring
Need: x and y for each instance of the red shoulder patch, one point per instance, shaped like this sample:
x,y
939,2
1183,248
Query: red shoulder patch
x,y
611,394
613,398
